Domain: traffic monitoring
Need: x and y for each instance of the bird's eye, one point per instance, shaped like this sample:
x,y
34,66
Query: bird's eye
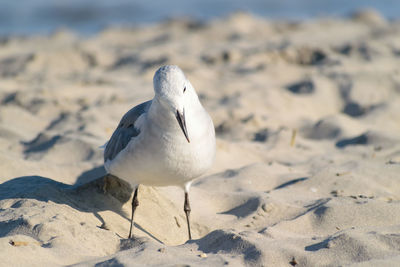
x,y
184,89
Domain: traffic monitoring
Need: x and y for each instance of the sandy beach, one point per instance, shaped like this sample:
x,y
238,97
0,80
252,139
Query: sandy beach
x,y
307,117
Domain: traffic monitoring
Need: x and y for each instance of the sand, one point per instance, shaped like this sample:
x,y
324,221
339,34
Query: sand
x,y
307,117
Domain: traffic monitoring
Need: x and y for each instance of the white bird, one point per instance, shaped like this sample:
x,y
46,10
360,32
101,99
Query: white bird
x,y
169,140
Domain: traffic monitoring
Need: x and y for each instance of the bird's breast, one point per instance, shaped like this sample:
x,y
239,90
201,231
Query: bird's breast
x,y
161,155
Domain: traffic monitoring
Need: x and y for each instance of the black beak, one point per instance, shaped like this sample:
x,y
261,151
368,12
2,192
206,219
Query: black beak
x,y
181,120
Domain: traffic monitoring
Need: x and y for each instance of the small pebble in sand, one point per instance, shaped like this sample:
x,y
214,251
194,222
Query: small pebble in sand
x,y
266,208
293,262
203,255
313,189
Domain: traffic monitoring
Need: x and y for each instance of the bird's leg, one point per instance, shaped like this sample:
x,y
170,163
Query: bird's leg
x,y
135,203
186,208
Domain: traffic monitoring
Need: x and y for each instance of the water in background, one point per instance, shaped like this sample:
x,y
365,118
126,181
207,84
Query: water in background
x,y
89,16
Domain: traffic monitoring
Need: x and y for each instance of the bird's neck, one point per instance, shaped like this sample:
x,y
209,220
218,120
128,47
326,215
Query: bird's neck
x,y
160,114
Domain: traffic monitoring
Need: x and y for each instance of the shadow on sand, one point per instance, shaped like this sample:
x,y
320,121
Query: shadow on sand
x,y
88,194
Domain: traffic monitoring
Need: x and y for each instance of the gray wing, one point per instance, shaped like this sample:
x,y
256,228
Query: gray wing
x,y
125,131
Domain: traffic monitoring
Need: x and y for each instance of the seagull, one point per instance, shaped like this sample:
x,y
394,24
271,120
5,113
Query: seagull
x,y
166,141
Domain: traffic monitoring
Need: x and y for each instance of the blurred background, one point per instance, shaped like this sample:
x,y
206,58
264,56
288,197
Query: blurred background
x,y
24,17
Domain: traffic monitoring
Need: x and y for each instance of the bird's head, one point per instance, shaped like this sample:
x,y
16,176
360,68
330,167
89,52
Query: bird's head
x,y
171,89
